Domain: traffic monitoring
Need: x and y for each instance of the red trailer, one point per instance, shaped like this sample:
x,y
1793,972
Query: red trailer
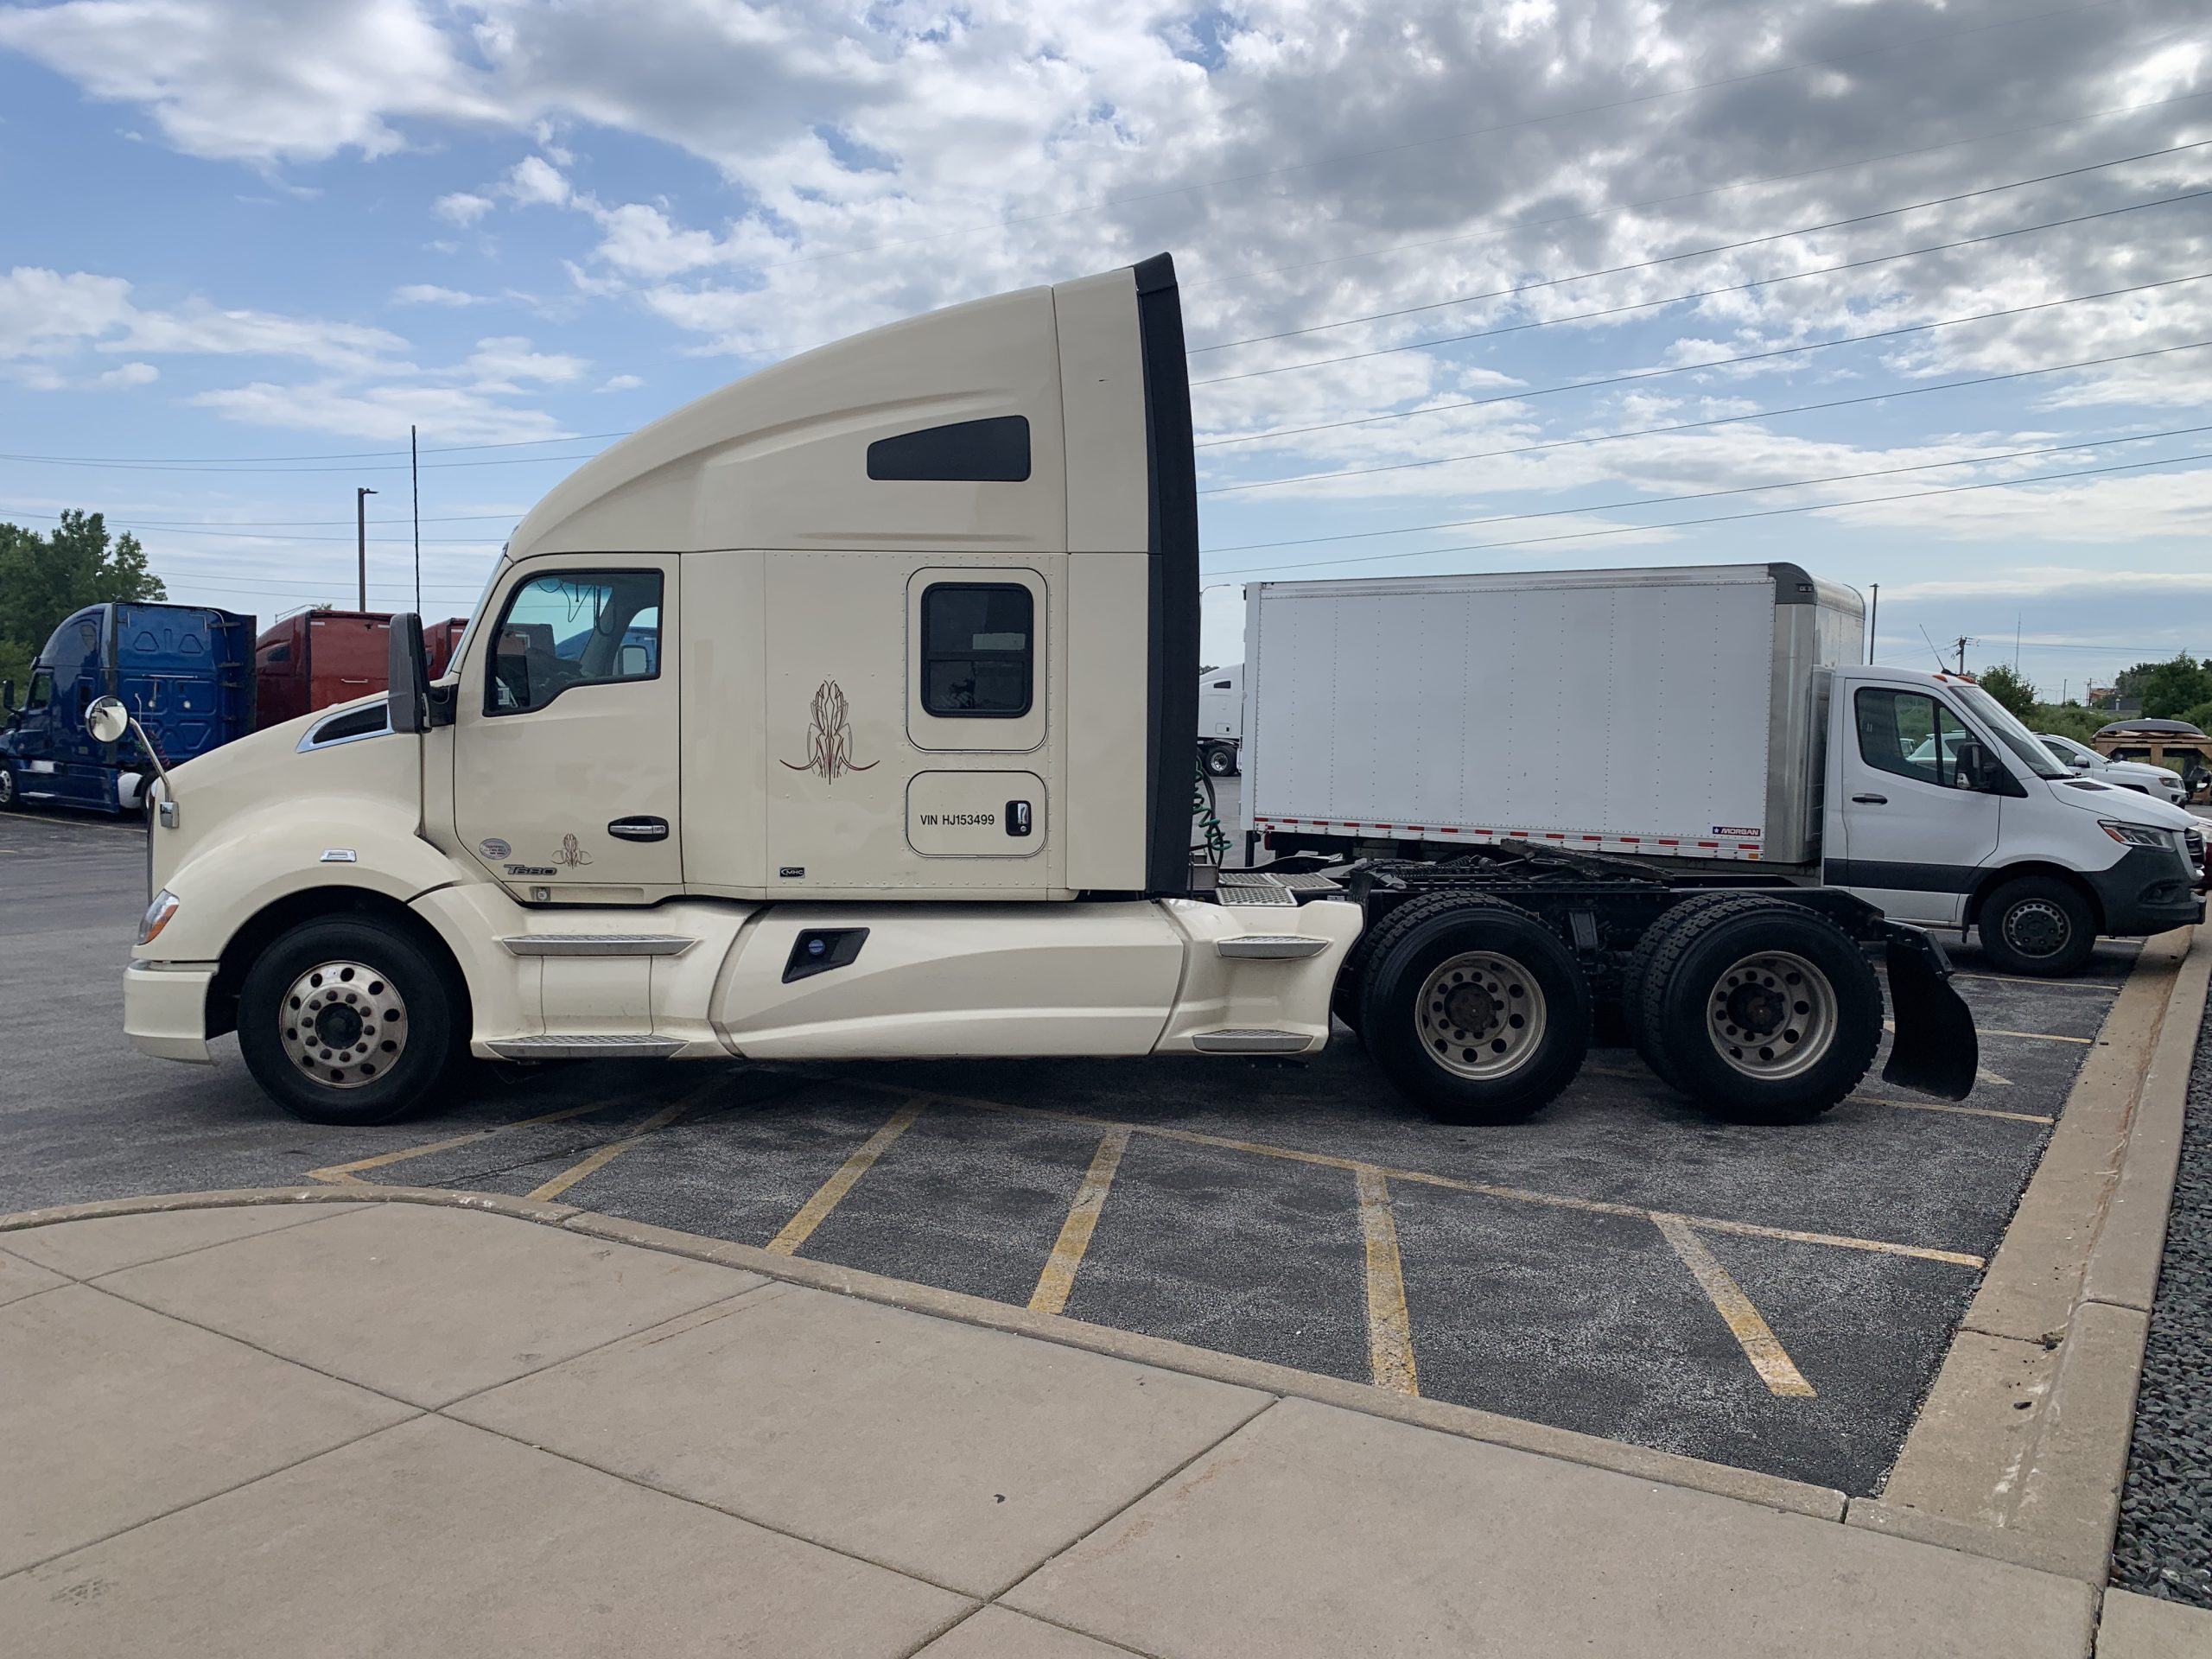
x,y
316,658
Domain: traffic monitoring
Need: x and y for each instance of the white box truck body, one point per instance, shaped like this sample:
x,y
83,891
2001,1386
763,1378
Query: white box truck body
x,y
846,713
1699,720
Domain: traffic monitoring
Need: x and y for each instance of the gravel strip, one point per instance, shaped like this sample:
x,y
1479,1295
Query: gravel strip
x,y
2164,1545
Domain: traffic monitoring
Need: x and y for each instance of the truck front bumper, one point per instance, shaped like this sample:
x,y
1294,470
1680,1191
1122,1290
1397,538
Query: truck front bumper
x,y
165,1008
2148,891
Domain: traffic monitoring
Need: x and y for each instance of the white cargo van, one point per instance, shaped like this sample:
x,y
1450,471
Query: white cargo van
x,y
1706,720
847,713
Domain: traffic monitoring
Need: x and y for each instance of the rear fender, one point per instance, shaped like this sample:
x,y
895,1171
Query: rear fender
x,y
1935,1049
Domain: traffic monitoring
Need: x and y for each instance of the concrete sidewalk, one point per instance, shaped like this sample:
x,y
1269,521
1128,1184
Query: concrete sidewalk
x,y
395,1428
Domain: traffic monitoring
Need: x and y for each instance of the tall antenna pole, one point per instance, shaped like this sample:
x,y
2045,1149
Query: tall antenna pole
x,y
414,483
1873,621
361,495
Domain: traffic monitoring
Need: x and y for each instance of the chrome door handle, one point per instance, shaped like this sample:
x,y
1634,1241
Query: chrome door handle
x,y
1860,800
638,829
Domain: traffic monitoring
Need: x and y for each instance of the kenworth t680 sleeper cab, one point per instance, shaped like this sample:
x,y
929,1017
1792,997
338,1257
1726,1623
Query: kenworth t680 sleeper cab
x,y
848,714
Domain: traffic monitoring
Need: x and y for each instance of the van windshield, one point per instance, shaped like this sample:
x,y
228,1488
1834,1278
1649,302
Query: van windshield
x,y
2000,723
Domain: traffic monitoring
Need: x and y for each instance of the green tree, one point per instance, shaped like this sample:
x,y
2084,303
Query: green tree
x,y
2005,683
44,577
2170,688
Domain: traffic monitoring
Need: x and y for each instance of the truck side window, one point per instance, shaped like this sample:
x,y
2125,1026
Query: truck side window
x,y
1909,734
573,627
42,691
978,652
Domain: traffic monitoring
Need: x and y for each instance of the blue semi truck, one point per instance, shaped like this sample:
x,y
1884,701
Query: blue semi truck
x,y
185,670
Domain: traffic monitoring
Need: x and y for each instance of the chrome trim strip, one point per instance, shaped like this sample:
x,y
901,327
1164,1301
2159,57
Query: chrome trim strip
x,y
585,1047
1250,1042
598,944
1271,947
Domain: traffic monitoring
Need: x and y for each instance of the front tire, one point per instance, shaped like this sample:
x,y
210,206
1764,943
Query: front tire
x,y
348,1021
2039,926
1219,762
8,800
1761,1010
1474,1010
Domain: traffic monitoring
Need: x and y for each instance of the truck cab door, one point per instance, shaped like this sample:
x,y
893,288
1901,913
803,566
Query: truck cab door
x,y
1915,835
35,778
565,751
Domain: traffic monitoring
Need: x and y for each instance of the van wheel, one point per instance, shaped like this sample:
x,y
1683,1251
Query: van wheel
x,y
1220,762
1474,1010
347,1021
2037,925
1761,1010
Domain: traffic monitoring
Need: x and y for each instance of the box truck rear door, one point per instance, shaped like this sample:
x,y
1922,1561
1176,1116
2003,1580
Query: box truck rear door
x,y
1915,837
565,744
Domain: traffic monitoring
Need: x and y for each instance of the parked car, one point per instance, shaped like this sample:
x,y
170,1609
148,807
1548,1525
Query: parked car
x,y
2125,774
2175,744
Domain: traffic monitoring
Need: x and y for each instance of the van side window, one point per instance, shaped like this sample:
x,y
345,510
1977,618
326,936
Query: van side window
x,y
1909,734
978,650
570,628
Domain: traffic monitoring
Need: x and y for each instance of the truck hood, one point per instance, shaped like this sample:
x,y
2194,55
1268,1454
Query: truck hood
x,y
2122,805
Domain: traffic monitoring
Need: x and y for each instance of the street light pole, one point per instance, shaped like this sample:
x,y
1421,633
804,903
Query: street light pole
x,y
361,495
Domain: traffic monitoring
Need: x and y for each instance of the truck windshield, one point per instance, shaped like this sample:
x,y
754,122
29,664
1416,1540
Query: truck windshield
x,y
1999,723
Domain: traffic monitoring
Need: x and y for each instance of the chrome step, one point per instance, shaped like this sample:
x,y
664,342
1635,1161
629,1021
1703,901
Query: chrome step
x,y
1250,1042
1270,947
586,1046
598,944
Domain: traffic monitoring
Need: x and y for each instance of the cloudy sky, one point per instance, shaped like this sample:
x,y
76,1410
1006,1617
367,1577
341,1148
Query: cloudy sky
x,y
1470,287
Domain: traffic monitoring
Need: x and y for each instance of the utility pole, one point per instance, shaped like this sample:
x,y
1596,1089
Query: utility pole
x,y
361,495
1873,621
1963,642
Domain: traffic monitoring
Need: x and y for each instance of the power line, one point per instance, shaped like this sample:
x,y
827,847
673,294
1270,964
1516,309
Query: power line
x,y
1703,293
1707,495
352,454
1709,363
1694,195
1712,421
1698,253
1720,519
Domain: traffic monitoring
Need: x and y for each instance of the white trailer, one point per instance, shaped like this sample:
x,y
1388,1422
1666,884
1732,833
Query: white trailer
x,y
1221,719
1703,719
845,714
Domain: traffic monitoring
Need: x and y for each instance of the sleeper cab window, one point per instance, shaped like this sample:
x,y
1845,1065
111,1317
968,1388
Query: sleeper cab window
x,y
979,653
568,628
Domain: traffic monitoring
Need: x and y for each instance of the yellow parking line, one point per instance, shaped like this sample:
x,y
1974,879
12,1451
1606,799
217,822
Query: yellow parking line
x,y
1518,1195
1891,1026
613,1149
2042,984
1053,1285
1389,1329
831,1193
1759,1343
1946,1106
346,1175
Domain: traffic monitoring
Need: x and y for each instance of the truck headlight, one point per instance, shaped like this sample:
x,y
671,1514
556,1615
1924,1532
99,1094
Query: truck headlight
x,y
2135,835
157,916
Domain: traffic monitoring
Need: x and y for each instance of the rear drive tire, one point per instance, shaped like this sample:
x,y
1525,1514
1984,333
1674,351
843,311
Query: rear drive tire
x,y
2037,926
1473,1008
348,1021
1219,762
1760,1011
1658,938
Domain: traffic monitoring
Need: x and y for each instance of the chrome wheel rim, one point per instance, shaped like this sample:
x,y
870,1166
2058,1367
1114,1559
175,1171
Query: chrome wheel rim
x,y
1481,1014
343,1023
2037,928
1772,1015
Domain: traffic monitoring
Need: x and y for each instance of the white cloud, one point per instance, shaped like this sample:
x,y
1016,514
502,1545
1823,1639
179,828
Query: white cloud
x,y
431,293
461,208
621,382
49,314
535,180
445,414
498,364
132,374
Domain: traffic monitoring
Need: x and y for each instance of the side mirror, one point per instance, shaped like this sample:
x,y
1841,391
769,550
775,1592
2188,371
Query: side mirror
x,y
107,720
2081,763
409,698
1978,769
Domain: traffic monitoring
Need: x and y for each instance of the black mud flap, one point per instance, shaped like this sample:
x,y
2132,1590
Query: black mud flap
x,y
1935,1049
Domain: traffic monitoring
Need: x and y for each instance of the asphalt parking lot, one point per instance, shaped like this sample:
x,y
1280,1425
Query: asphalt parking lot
x,y
1777,1298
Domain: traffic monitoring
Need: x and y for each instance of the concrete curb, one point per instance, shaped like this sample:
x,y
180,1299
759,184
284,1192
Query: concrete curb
x,y
1664,1468
2058,1328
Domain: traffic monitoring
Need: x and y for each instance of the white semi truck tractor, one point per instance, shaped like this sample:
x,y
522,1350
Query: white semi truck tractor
x,y
847,714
